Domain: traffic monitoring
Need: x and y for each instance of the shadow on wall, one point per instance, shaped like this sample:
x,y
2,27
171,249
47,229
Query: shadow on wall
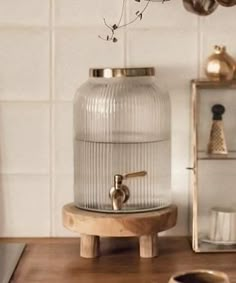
x,y
2,247
1,209
2,206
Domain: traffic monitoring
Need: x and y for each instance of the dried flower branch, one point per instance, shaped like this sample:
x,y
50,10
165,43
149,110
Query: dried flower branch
x,y
113,28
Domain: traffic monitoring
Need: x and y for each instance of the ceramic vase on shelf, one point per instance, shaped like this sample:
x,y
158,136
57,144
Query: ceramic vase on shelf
x,y
220,65
217,142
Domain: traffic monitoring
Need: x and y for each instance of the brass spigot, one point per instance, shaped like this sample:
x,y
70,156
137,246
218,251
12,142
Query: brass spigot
x,y
119,193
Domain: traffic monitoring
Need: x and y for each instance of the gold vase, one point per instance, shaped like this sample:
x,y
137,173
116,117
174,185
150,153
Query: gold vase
x,y
220,65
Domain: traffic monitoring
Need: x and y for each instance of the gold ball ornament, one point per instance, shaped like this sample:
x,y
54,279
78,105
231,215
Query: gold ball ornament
x,y
220,65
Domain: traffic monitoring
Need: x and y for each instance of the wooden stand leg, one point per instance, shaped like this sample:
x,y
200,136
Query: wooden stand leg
x,y
148,246
89,246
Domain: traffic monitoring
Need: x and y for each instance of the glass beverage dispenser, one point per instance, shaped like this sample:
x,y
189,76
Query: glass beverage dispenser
x,y
122,142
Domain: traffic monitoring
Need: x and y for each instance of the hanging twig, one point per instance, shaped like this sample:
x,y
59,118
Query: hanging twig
x,y
122,12
111,36
139,15
113,28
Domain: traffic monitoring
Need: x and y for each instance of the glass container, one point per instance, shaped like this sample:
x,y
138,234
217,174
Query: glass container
x,y
122,142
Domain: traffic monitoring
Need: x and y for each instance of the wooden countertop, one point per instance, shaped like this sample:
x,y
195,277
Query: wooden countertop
x,y
57,260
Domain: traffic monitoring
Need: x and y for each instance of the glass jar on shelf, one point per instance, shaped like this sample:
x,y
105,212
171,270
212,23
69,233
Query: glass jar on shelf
x,y
122,142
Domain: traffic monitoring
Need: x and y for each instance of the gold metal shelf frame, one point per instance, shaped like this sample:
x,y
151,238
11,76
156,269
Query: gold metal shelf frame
x,y
196,86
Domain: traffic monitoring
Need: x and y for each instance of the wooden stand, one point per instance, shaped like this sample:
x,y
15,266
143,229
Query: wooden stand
x,y
92,225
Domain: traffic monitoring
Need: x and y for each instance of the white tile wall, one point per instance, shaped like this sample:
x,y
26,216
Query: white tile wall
x,y
26,206
63,193
222,19
63,138
166,50
25,12
24,144
76,50
86,13
169,15
24,57
46,49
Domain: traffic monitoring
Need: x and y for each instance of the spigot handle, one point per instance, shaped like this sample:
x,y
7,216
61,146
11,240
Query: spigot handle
x,y
135,174
119,194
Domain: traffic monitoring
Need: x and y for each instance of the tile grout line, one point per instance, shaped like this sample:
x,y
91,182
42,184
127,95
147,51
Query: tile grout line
x,y
125,35
32,174
52,124
34,101
22,28
199,46
79,28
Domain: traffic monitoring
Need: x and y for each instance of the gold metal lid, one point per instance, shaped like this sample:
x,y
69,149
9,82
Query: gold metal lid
x,y
121,72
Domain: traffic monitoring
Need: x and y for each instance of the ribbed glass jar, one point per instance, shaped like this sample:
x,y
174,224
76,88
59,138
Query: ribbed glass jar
x,y
122,125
